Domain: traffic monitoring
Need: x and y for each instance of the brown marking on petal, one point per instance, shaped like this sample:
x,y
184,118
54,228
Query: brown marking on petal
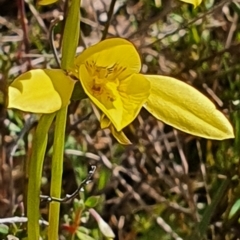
x,y
96,88
111,99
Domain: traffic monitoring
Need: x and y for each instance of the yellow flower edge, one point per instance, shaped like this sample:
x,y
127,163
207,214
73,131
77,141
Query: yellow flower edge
x,y
185,108
40,91
46,2
194,2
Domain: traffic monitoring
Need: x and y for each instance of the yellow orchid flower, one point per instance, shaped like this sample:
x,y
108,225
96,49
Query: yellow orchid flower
x,y
109,73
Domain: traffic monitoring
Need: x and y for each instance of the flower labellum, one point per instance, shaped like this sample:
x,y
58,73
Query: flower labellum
x,y
109,73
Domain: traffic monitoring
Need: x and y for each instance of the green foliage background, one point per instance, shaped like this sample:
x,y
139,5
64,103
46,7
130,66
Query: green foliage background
x,y
167,185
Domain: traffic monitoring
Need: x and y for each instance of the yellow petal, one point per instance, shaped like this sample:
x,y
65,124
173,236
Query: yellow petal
x,y
194,2
111,52
125,100
46,2
120,136
104,121
183,107
134,92
40,91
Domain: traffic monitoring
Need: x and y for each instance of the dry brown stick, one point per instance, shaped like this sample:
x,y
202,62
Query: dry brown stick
x,y
51,39
232,30
75,193
185,166
23,20
36,14
109,15
166,10
15,220
167,228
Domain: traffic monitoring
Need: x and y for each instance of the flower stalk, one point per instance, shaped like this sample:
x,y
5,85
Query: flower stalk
x,y
35,174
56,173
70,35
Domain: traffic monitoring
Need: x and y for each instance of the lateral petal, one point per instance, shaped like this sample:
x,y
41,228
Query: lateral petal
x,y
183,107
40,91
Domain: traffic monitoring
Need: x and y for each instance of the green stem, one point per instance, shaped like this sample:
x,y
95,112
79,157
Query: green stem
x,y
35,174
56,175
71,34
69,45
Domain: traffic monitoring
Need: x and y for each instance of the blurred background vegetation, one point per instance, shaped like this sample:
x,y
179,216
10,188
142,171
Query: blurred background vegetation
x,y
167,184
